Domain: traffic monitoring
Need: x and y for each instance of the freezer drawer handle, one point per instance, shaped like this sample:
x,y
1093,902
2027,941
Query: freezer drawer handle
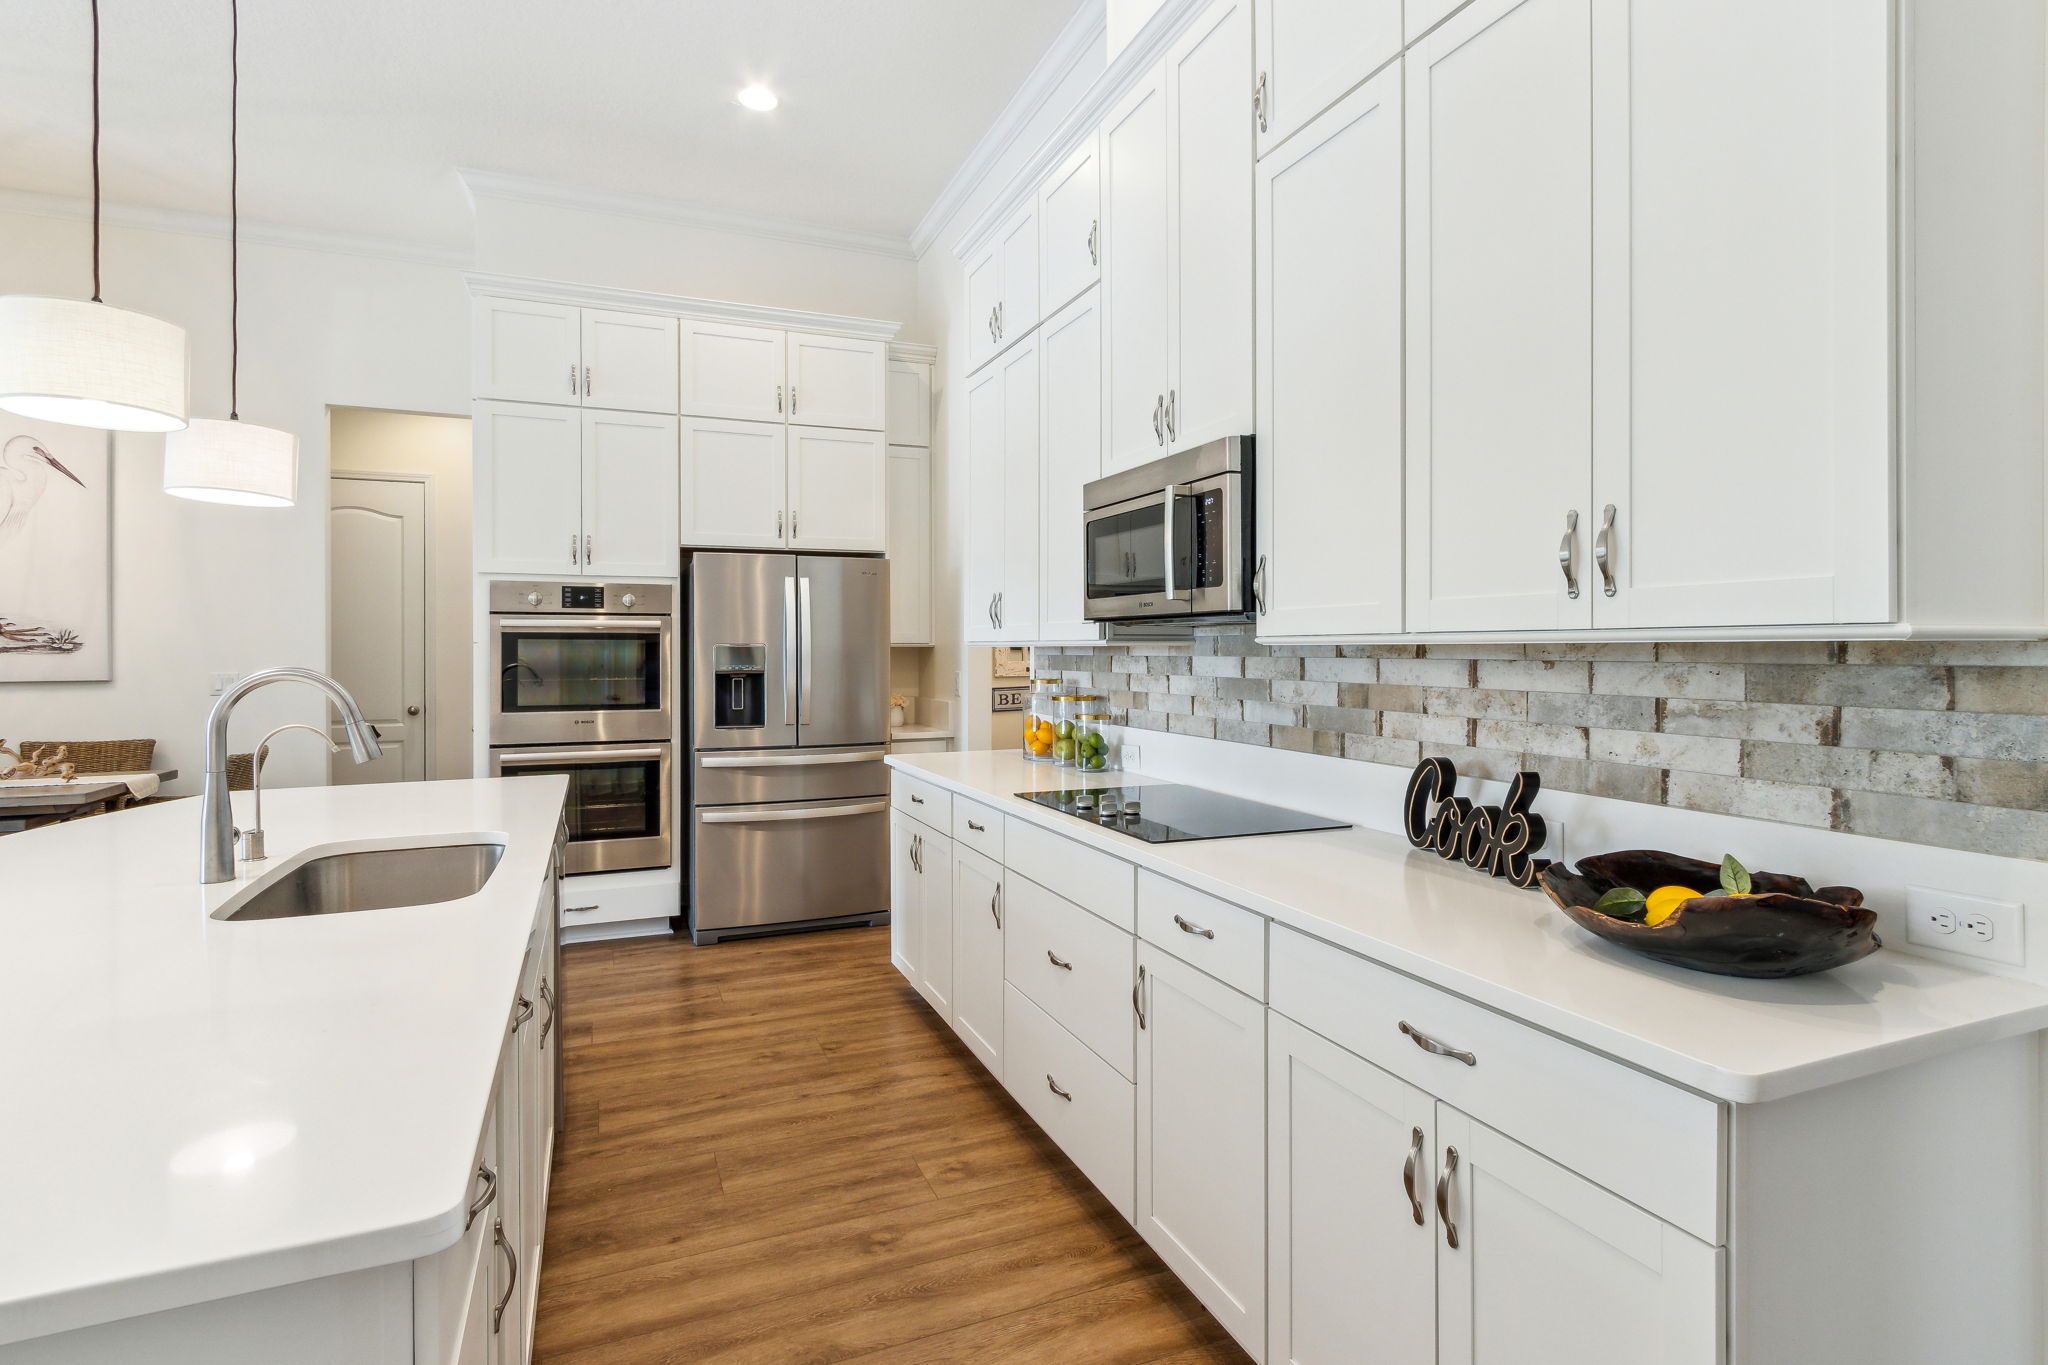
x,y
572,756
741,817
790,760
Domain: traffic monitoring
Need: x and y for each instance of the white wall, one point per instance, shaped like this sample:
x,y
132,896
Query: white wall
x,y
198,588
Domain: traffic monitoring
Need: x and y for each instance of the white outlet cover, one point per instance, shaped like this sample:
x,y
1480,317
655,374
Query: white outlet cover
x,y
2007,944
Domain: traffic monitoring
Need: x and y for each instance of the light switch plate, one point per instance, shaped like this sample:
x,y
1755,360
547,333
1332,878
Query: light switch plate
x,y
1972,926
218,683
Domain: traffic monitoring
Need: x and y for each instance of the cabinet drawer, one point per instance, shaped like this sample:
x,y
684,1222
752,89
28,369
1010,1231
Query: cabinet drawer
x,y
1090,879
922,800
978,827
1226,941
1095,1121
1646,1140
1091,994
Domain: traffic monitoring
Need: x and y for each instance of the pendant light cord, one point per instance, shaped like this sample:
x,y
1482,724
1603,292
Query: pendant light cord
x,y
96,151
234,209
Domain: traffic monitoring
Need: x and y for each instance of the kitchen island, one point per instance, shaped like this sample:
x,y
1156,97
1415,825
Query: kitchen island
x,y
343,1118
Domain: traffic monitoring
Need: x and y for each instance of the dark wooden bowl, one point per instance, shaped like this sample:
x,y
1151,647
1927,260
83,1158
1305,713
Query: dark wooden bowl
x,y
1786,928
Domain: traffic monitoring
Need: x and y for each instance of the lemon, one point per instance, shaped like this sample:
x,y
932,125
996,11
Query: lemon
x,y
1662,903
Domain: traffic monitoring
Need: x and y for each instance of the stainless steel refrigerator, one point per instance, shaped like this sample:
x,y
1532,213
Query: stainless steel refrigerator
x,y
788,702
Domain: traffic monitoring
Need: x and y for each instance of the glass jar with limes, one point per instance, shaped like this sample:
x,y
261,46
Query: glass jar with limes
x,y
1041,719
1073,705
1095,742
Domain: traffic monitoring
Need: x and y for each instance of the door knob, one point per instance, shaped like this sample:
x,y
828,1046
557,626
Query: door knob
x,y
412,710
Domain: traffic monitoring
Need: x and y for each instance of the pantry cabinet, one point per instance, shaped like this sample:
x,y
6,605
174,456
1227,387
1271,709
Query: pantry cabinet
x,y
1070,392
1328,454
562,492
533,352
978,956
1310,52
1070,227
759,485
1001,599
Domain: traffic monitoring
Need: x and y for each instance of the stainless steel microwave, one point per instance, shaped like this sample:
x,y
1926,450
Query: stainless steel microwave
x,y
1172,540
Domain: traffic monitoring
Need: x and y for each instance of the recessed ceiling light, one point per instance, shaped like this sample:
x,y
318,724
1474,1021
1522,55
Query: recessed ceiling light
x,y
758,98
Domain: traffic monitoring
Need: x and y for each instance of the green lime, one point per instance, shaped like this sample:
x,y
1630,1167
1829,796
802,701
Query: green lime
x,y
1097,761
1063,748
1065,729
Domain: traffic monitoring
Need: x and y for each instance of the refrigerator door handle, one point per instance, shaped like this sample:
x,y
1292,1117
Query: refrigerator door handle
x,y
804,704
755,815
788,760
789,651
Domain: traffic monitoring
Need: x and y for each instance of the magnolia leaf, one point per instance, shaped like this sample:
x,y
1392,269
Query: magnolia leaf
x,y
1734,877
1623,902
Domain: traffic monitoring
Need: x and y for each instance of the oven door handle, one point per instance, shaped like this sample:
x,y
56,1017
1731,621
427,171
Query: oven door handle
x,y
572,756
741,817
525,623
789,760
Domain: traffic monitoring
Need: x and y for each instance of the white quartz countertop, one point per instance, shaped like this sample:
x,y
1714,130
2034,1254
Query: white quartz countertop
x,y
195,1107
920,732
1367,891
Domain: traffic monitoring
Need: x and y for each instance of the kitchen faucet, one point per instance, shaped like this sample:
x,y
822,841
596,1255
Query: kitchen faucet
x,y
216,814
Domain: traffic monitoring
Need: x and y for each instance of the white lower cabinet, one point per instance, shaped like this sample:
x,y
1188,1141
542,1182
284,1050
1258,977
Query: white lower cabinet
x,y
978,955
920,908
1076,1097
1201,1139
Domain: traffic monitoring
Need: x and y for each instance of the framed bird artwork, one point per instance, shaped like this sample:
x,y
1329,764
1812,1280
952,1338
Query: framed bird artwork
x,y
56,587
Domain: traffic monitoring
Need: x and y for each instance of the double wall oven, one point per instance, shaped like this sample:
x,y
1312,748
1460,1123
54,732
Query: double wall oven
x,y
582,679
1172,540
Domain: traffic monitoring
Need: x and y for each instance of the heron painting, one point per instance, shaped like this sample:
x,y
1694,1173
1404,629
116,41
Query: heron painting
x,y
55,588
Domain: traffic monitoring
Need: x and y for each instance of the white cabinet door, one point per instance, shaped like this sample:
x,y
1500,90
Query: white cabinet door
x,y
1550,1269
978,956
1018,243
629,361
732,371
509,1266
935,923
838,490
629,494
1017,603
1134,278
1309,52
910,545
1070,404
1499,300
734,484
984,293
536,1092
906,897
529,352
528,492
1329,339
909,403
1350,1243
985,494
1209,242
1070,228
1202,1139
837,381
1742,375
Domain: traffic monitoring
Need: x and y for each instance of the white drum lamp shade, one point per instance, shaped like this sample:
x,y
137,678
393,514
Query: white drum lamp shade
x,y
89,365
232,462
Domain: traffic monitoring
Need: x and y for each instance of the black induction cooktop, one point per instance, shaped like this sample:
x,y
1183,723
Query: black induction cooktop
x,y
1167,813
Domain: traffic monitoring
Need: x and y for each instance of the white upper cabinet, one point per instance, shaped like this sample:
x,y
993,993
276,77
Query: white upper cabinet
x,y
730,370
1134,279
1328,455
629,494
1070,228
984,297
1311,51
909,389
528,352
735,491
1209,243
837,381
1001,601
1499,314
629,361
985,493
1018,241
1742,381
838,489
910,545
528,491
1070,441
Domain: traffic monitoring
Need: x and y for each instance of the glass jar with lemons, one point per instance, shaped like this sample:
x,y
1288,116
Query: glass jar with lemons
x,y
1041,719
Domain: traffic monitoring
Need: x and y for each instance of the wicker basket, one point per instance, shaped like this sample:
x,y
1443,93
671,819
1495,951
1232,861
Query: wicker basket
x,y
94,755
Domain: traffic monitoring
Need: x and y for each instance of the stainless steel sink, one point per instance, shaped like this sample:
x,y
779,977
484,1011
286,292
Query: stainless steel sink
x,y
375,879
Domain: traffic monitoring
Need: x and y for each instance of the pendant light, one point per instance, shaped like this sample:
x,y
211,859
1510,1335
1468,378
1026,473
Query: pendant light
x,y
233,461
83,363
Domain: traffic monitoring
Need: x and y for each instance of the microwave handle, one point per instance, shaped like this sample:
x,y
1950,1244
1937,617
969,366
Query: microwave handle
x,y
509,760
1174,493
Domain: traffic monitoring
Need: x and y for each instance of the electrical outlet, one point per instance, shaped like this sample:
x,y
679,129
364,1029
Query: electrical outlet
x,y
1133,758
218,683
1970,925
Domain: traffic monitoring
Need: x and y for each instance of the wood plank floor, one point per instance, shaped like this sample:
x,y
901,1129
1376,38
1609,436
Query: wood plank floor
x,y
773,1151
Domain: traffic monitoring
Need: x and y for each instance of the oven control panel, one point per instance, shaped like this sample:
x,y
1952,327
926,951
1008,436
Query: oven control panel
x,y
583,597
637,599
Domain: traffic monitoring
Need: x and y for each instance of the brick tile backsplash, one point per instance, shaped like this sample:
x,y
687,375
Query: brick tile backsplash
x,y
1932,742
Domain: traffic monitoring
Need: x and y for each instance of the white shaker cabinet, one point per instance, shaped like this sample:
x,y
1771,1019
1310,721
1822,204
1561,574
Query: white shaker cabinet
x,y
1001,601
909,389
1209,240
837,381
1309,52
1351,1225
910,545
735,491
1070,227
629,494
732,370
1329,373
984,297
838,490
1002,288
1201,1139
978,956
1070,392
921,909
526,351
1134,280
1499,319
629,361
528,488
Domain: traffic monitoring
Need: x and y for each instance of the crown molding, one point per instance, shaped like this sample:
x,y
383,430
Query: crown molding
x,y
658,208
187,224
1087,31
676,305
1145,49
914,350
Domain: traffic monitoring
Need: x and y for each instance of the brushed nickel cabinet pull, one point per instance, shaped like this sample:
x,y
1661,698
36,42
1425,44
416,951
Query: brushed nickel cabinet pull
x,y
978,829
1054,1086
778,398
586,381
792,400
1567,553
1056,960
1259,585
525,1013
994,906
1095,242
575,549
1138,997
1173,414
1603,547
1429,1044
1195,929
511,1280
547,997
916,800
572,379
484,1200
1443,1197
1408,1175
1259,101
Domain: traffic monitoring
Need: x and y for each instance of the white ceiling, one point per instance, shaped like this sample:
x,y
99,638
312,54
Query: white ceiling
x,y
355,113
